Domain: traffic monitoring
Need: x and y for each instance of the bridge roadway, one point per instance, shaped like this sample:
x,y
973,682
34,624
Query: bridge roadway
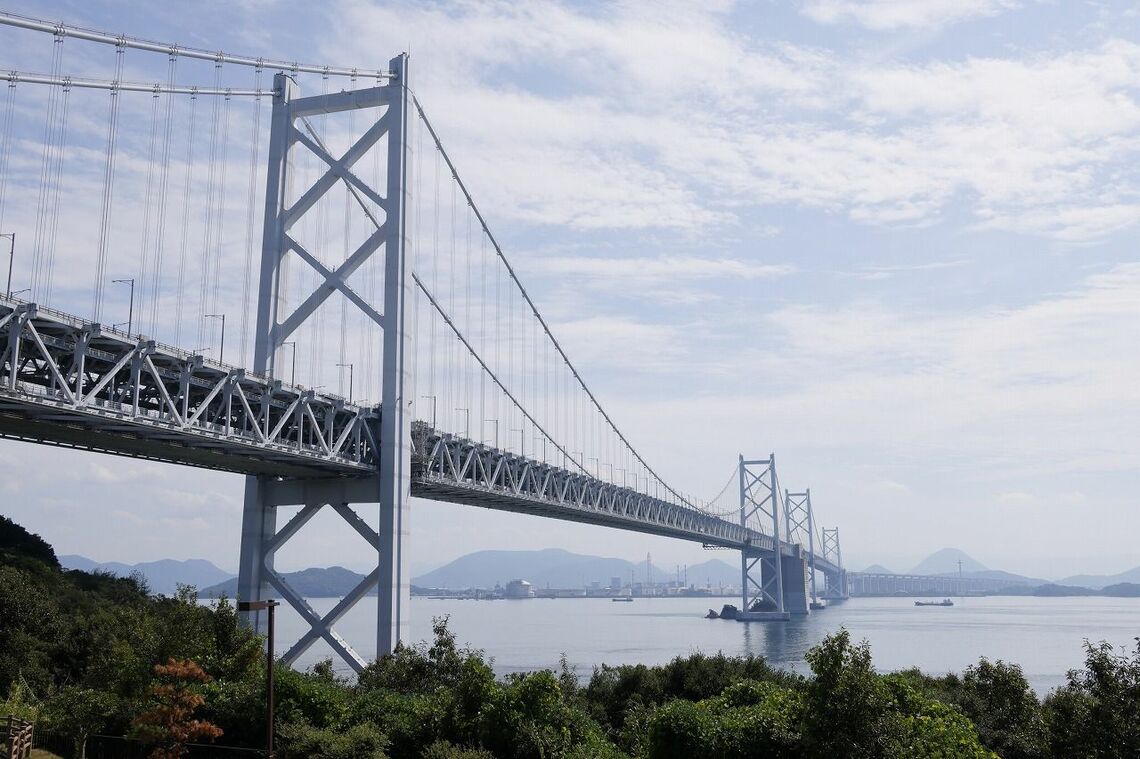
x,y
70,383
887,584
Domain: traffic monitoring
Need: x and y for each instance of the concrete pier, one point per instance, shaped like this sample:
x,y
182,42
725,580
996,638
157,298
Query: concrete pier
x,y
797,597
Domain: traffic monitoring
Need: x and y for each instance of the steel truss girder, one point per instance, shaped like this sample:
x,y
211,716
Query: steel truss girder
x,y
450,467
59,373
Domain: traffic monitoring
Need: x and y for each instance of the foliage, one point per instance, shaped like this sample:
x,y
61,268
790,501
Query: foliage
x,y
15,541
750,718
445,750
447,697
363,741
614,695
168,721
78,652
847,705
1097,712
997,698
75,712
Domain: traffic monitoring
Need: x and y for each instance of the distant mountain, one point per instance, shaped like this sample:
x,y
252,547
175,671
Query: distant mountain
x,y
945,562
162,576
485,569
549,566
1122,590
878,569
997,574
315,582
1101,581
714,572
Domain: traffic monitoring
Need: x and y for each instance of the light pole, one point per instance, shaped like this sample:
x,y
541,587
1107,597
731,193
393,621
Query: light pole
x,y
496,423
222,345
11,258
268,606
293,376
522,440
467,426
131,311
349,367
25,290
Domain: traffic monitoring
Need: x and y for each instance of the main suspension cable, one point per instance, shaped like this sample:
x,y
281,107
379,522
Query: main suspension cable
x,y
534,309
91,35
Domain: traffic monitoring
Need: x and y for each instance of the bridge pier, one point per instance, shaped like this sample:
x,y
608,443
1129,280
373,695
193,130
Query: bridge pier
x,y
797,596
261,539
837,586
255,562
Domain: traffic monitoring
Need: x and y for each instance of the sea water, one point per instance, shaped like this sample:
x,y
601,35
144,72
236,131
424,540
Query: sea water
x,y
1044,635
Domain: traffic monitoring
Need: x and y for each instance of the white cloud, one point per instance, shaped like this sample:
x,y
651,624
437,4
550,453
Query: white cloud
x,y
891,486
890,15
988,381
615,342
765,123
181,524
1075,224
1017,499
643,270
873,273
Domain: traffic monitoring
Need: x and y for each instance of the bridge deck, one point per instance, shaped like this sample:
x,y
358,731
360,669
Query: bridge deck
x,y
69,383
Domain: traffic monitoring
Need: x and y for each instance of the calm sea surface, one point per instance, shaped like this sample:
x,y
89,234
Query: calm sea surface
x,y
1043,635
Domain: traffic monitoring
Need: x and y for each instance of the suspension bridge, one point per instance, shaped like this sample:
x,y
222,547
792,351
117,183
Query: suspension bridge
x,y
311,215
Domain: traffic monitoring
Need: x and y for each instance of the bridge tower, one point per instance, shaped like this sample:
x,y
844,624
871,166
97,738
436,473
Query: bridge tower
x,y
761,567
836,583
800,527
277,320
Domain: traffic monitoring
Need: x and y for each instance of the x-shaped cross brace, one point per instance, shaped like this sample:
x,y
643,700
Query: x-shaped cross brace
x,y
334,279
321,627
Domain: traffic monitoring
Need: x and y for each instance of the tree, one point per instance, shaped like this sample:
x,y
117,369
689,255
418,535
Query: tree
x,y
17,541
1097,713
77,712
168,722
997,697
848,705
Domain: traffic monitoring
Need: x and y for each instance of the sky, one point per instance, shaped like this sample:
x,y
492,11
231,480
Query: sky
x,y
890,240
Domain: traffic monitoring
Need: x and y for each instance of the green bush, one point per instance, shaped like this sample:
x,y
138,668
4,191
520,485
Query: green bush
x,y
1097,712
77,652
304,741
748,719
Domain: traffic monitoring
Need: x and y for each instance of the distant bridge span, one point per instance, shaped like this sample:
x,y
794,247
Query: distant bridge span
x,y
889,584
